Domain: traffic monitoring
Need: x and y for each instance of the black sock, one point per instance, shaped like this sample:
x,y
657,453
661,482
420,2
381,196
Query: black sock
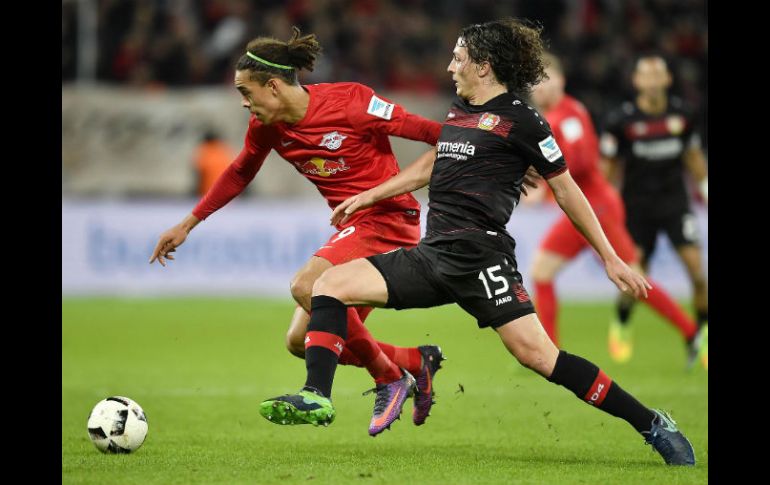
x,y
703,317
327,315
321,364
591,385
623,308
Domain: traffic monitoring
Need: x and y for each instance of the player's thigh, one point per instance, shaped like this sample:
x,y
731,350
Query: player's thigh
x,y
354,283
410,278
546,265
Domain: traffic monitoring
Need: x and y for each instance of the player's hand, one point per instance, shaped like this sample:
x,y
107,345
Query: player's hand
x,y
349,206
167,244
626,279
531,178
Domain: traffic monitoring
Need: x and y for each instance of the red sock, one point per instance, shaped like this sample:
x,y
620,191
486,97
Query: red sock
x,y
409,358
367,352
545,302
363,312
347,357
665,306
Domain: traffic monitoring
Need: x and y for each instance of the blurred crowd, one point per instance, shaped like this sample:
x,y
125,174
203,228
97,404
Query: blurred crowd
x,y
391,45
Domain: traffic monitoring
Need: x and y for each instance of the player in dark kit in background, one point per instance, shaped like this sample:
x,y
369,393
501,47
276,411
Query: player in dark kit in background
x,y
574,133
654,137
489,139
336,136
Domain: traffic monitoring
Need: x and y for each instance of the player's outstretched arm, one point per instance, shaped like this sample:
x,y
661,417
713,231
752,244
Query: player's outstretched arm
x,y
173,238
572,201
413,177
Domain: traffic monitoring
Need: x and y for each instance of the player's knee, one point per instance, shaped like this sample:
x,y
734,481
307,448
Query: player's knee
x,y
331,284
301,287
543,269
295,343
540,274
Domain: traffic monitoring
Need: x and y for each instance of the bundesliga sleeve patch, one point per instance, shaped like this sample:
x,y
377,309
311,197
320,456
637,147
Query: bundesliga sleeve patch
x,y
380,108
550,149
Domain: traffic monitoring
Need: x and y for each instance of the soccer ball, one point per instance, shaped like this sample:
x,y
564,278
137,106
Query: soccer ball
x,y
117,425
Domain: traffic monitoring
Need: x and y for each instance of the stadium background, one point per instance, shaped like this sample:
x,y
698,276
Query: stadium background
x,y
144,80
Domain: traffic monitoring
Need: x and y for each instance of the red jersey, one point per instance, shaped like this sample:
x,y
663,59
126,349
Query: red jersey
x,y
341,146
574,132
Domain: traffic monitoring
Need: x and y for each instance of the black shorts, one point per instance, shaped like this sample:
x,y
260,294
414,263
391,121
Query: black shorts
x,y
479,274
681,227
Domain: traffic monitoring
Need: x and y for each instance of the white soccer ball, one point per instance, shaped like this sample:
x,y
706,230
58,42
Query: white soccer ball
x,y
117,425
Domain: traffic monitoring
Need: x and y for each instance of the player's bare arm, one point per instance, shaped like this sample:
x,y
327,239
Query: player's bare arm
x,y
413,177
572,201
173,238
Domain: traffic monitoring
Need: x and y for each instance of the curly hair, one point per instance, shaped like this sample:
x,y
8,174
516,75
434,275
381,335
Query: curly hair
x,y
512,47
300,52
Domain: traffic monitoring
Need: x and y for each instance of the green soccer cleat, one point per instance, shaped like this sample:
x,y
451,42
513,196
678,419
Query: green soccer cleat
x,y
305,407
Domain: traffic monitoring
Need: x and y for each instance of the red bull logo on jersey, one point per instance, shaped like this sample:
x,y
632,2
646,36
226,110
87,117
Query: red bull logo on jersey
x,y
488,121
332,140
322,167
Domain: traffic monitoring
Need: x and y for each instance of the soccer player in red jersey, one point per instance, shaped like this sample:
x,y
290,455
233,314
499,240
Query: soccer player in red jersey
x,y
574,132
336,136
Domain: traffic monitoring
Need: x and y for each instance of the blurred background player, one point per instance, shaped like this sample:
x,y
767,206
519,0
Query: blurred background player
x,y
574,133
335,135
212,157
656,139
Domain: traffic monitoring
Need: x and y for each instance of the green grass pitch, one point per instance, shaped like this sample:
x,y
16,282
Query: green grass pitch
x,y
200,367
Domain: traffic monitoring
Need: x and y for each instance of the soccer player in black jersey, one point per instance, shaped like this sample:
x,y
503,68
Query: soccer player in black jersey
x,y
490,138
655,138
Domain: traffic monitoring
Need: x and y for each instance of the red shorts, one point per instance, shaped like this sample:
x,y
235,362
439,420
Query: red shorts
x,y
565,240
372,233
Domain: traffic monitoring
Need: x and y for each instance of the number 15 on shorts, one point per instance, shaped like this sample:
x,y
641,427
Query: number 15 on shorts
x,y
490,279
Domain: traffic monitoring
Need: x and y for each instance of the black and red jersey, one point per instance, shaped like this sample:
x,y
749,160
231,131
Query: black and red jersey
x,y
483,153
651,148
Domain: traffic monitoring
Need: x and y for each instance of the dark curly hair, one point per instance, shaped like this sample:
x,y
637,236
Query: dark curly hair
x,y
299,52
512,47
